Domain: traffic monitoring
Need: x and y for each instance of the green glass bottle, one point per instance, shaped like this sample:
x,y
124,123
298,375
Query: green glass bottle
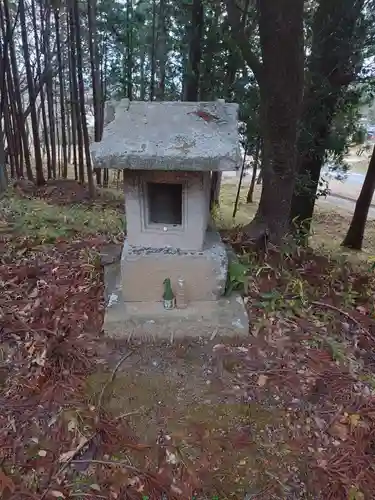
x,y
169,300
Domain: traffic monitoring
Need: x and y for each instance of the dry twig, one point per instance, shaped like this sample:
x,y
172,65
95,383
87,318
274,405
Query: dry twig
x,y
112,378
67,463
347,315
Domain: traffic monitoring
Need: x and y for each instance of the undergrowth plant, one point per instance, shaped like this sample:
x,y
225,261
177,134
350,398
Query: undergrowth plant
x,y
237,278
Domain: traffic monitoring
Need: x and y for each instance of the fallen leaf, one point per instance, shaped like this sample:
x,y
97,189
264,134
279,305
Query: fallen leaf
x,y
6,483
355,494
57,494
322,463
354,419
339,430
95,487
262,380
362,310
72,425
320,423
64,457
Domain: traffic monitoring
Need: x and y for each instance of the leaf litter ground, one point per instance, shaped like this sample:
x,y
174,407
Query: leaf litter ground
x,y
288,412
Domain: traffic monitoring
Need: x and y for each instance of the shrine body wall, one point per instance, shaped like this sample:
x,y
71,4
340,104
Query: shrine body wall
x,y
167,208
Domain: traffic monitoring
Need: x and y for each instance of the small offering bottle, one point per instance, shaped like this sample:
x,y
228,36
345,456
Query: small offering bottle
x,y
169,300
181,299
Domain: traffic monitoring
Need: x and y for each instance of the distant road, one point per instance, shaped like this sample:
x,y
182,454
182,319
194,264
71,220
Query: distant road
x,y
347,205
352,183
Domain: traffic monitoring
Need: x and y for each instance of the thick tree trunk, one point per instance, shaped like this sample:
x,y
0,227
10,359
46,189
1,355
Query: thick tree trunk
x,y
331,68
280,78
281,87
355,234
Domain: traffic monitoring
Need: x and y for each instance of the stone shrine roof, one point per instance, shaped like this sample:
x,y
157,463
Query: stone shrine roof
x,y
194,136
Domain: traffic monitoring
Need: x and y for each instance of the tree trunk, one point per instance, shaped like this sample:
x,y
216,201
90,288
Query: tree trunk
x,y
49,86
331,68
95,77
76,114
249,198
161,52
62,96
21,124
280,78
81,89
4,71
355,234
142,74
215,189
195,51
129,49
152,54
42,96
32,96
281,88
3,172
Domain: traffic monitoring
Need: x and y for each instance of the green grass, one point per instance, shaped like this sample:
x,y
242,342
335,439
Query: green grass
x,y
44,223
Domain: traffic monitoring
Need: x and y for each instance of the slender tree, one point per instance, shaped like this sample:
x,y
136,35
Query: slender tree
x,y
75,107
95,77
32,96
152,52
47,56
195,51
356,231
59,49
15,91
250,193
161,51
82,110
43,110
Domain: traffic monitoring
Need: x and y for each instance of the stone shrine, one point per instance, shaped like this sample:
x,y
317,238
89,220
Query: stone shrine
x,y
168,151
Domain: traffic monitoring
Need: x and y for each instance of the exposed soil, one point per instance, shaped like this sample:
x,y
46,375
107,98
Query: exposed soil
x,y
286,413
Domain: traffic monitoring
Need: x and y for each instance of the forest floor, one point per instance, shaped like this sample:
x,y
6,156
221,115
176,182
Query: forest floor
x,y
285,413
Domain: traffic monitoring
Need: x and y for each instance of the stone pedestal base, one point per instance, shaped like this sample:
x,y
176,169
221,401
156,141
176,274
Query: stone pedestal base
x,y
143,271
149,320
134,288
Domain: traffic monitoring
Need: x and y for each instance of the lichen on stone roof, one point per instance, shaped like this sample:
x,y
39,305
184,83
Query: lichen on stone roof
x,y
142,135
